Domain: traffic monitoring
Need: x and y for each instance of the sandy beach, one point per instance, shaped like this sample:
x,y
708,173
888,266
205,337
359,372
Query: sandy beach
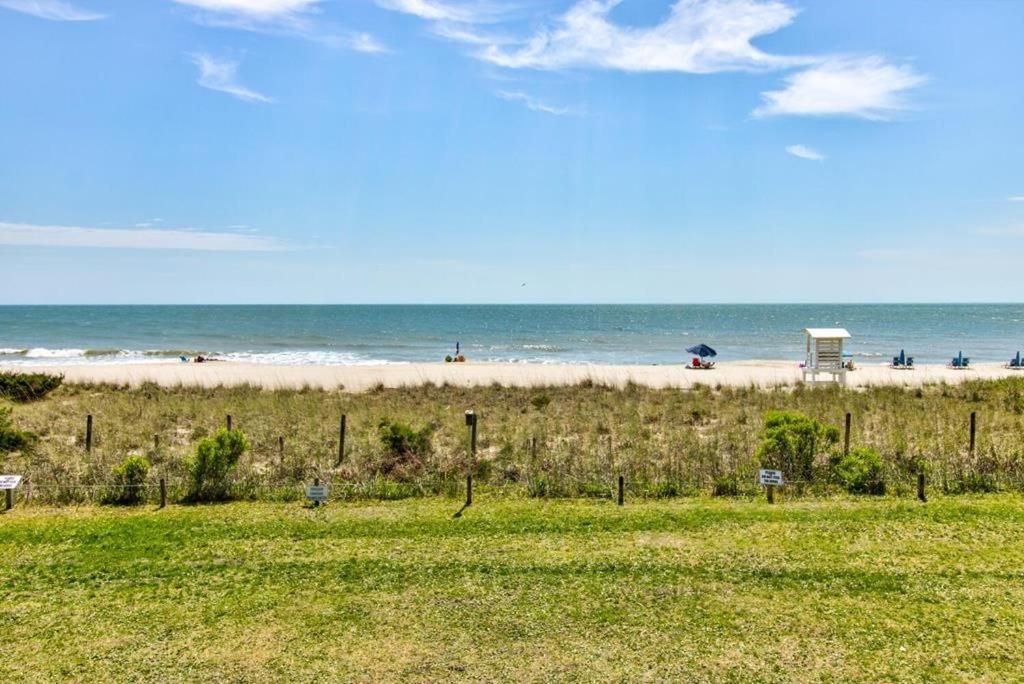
x,y
359,378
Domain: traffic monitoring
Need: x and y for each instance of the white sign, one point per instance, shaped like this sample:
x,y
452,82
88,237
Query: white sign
x,y
769,477
318,492
9,481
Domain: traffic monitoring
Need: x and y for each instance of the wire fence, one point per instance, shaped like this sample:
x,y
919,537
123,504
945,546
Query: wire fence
x,y
546,467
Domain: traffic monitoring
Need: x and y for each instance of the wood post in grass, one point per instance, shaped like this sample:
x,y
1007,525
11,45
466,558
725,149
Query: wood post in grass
x,y
341,440
156,442
471,424
88,433
846,437
280,449
163,492
10,499
622,488
920,486
771,493
974,425
229,421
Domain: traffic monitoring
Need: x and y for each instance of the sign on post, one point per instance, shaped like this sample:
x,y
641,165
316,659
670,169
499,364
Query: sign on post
x,y
770,477
318,493
9,481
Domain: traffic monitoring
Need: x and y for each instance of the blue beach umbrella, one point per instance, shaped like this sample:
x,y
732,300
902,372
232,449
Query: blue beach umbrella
x,y
702,350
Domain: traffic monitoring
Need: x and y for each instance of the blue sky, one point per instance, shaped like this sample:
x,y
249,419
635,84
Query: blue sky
x,y
179,151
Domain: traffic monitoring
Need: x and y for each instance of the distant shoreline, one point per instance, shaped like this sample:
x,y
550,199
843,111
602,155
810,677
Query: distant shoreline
x,y
357,378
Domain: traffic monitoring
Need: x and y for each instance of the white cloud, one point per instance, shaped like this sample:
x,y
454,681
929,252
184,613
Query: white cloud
x,y
1016,198
1005,231
532,103
55,10
363,42
436,10
697,37
867,87
29,235
805,152
221,75
263,9
282,17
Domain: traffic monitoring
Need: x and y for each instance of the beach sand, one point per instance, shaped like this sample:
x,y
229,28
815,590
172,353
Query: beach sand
x,y
358,378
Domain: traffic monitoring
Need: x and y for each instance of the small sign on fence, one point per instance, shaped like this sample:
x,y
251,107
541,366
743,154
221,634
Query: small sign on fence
x,y
9,481
318,493
770,477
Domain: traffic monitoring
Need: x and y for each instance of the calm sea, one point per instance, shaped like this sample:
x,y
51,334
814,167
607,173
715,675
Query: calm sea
x,y
631,334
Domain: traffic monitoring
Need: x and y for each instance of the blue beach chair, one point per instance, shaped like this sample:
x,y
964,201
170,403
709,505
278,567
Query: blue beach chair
x,y
1015,362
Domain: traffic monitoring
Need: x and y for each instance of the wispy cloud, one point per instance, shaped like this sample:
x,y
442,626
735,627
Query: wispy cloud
x,y
697,37
533,103
1005,231
1016,198
54,10
30,235
282,17
439,10
805,152
222,75
867,87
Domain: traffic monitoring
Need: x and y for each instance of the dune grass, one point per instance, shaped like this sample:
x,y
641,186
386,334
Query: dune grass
x,y
557,441
873,589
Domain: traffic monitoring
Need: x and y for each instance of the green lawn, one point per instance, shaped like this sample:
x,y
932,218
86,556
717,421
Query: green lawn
x,y
525,590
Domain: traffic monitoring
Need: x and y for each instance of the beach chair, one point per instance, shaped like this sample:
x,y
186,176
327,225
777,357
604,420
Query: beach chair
x,y
1015,362
960,361
696,362
910,362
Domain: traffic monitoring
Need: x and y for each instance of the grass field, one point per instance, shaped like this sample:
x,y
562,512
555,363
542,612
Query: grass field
x,y
873,589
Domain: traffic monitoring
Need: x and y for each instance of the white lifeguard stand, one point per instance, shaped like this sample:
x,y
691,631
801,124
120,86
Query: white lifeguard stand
x,y
825,354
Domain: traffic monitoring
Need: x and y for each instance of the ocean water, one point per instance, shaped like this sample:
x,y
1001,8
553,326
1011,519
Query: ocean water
x,y
627,334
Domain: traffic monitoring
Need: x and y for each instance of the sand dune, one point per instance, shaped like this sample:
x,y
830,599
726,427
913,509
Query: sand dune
x,y
357,378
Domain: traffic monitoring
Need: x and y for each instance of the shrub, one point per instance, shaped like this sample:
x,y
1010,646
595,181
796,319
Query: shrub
x,y
28,386
12,439
214,462
405,447
129,478
790,441
541,401
859,472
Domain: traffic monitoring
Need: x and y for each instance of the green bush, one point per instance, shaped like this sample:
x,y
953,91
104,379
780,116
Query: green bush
x,y
790,441
404,449
12,439
129,480
213,464
28,386
541,401
859,472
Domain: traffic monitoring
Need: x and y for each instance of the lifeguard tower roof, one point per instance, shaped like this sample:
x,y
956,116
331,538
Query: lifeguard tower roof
x,y
827,333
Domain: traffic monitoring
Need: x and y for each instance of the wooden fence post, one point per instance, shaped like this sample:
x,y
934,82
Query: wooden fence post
x,y
156,442
974,424
771,493
88,433
341,440
229,421
471,423
10,499
622,487
163,492
920,486
846,437
280,449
